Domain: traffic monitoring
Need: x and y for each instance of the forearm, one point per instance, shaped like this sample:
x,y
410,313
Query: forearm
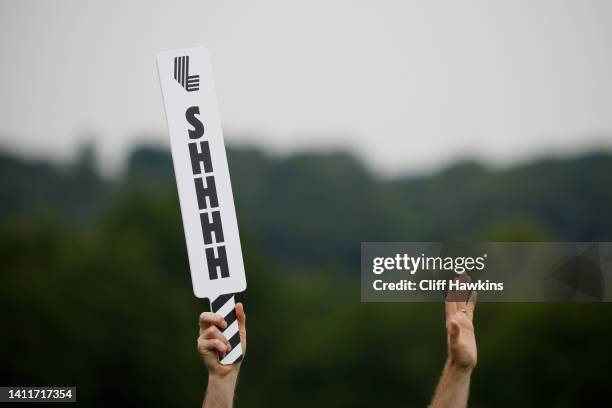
x,y
220,391
454,387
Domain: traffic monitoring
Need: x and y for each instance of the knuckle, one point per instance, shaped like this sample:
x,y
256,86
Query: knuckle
x,y
211,331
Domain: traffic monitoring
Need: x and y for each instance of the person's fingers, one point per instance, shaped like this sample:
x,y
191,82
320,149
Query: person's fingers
x,y
450,303
241,316
213,332
463,294
208,319
458,296
450,307
471,304
206,346
455,299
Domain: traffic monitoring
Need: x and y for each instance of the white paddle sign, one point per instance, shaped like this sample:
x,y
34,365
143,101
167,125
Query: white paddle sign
x,y
204,186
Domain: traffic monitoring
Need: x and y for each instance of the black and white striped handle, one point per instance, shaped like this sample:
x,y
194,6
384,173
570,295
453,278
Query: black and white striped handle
x,y
225,305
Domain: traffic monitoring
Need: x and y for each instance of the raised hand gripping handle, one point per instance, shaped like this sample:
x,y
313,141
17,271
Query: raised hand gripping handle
x,y
225,305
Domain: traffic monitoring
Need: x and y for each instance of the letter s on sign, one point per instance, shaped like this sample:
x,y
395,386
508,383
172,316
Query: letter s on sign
x,y
198,127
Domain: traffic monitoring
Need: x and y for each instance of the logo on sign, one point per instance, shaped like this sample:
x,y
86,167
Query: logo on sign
x,y
181,74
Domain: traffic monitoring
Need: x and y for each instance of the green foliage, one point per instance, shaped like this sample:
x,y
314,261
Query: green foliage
x,y
96,291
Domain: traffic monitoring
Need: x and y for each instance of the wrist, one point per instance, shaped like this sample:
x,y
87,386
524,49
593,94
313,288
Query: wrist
x,y
225,378
220,390
456,367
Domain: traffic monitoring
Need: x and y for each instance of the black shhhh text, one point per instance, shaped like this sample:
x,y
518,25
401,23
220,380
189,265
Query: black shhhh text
x,y
206,193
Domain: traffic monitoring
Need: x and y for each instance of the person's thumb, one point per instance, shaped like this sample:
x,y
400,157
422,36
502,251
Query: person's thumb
x,y
453,330
241,317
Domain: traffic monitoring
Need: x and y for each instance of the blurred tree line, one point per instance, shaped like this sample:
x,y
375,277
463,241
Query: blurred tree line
x,y
96,292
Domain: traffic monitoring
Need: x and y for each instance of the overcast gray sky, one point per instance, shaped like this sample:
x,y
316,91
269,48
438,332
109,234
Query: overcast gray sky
x,y
408,85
